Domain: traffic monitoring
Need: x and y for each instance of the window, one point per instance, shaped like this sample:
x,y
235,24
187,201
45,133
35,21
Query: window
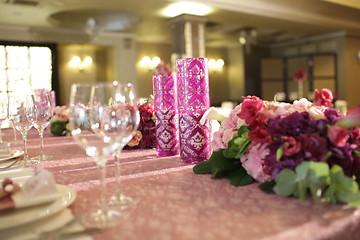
x,y
25,67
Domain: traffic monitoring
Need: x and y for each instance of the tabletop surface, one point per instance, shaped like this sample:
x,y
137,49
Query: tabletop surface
x,y
175,203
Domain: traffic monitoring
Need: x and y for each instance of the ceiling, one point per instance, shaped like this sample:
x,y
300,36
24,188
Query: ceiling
x,y
275,20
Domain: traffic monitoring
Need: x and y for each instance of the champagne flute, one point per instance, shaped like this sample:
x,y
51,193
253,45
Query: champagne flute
x,y
131,121
97,126
41,119
22,120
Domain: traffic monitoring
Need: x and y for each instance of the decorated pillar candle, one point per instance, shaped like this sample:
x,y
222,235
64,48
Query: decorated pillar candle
x,y
193,101
166,114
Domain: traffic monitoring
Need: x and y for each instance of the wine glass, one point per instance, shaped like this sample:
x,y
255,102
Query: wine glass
x,y
3,115
22,115
131,120
41,119
12,112
97,126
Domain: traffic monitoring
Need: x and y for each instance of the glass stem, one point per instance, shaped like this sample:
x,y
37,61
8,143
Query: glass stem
x,y
103,189
14,130
41,133
1,139
26,157
117,172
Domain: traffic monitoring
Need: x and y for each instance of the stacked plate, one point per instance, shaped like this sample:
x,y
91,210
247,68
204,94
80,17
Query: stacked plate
x,y
27,222
6,159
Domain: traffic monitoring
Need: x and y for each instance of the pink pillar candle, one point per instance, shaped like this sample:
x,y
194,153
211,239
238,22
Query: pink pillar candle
x,y
166,114
193,100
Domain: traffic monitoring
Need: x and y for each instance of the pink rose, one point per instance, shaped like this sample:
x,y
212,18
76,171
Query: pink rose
x,y
338,135
323,97
291,146
250,108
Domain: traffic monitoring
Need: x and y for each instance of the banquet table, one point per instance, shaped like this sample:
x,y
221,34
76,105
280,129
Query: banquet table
x,y
175,203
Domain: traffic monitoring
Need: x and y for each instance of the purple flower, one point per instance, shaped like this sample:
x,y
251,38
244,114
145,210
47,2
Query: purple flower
x,y
314,147
332,115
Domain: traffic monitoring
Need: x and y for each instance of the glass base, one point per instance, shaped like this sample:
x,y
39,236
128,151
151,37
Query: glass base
x,y
29,162
102,218
42,157
16,142
122,202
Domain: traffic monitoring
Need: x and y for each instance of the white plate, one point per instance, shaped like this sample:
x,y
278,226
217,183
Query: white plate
x,y
13,154
17,217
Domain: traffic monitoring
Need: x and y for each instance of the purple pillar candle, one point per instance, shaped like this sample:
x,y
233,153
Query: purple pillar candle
x,y
166,114
193,101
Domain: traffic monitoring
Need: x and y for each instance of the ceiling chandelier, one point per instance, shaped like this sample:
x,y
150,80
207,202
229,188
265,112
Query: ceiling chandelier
x,y
94,21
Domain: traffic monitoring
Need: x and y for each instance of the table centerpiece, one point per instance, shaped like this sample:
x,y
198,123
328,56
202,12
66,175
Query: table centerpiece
x,y
291,149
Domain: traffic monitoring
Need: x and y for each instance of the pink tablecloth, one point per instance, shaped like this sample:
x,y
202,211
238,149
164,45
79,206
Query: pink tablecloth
x,y
174,203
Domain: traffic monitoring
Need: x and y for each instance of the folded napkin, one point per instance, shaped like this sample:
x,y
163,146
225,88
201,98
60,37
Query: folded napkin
x,y
40,188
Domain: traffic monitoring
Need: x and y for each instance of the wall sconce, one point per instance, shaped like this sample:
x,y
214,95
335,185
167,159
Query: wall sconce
x,y
247,38
149,63
216,65
76,62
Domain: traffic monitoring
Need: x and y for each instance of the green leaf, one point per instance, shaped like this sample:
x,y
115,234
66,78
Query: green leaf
x,y
316,191
239,177
236,147
318,172
243,131
330,195
341,182
285,182
279,152
222,163
353,198
302,170
267,187
327,156
357,153
217,173
301,190
58,128
203,167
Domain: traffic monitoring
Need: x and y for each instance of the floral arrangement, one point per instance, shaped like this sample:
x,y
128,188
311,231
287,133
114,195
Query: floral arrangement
x,y
144,136
59,121
291,149
300,75
162,68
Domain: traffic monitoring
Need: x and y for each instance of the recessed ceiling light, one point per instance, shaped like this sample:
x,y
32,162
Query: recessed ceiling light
x,y
186,8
